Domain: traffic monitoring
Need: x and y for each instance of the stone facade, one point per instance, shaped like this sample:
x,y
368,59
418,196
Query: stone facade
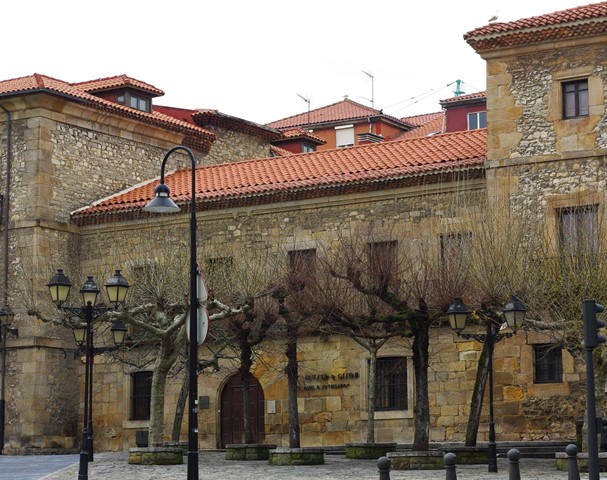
x,y
68,155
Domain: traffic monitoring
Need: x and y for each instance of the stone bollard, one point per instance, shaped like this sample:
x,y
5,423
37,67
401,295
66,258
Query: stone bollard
x,y
573,472
514,471
449,460
383,464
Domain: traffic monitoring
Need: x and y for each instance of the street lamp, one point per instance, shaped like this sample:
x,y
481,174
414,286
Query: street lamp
x,y
6,317
59,289
162,203
514,313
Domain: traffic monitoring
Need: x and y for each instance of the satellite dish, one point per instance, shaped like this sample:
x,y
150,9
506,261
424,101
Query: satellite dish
x,y
202,294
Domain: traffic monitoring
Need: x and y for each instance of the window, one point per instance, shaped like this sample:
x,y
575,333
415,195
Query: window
x,y
382,258
548,364
391,384
578,230
575,99
454,249
307,148
141,394
302,266
134,101
344,136
477,120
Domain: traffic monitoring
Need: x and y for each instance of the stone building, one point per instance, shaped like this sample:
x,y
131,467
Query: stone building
x,y
82,159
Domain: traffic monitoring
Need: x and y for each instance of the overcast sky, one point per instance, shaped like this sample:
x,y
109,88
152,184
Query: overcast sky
x,y
257,59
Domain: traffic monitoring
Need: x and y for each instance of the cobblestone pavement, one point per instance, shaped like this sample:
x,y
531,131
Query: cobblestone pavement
x,y
213,466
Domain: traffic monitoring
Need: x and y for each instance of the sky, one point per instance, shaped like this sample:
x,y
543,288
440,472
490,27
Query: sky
x,y
263,60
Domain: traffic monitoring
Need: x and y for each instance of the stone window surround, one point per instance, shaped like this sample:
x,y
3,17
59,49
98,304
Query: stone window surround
x,y
555,99
575,199
386,351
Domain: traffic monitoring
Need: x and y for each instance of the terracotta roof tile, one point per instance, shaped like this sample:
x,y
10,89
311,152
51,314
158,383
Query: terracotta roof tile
x,y
579,21
342,111
195,136
465,98
291,133
304,175
427,125
215,118
110,83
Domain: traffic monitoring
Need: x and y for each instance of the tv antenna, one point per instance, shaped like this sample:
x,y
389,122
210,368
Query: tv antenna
x,y
372,88
307,100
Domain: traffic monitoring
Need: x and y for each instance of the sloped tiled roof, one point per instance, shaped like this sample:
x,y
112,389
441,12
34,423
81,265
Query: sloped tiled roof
x,y
426,125
215,118
579,21
343,111
110,83
310,175
195,136
291,133
470,97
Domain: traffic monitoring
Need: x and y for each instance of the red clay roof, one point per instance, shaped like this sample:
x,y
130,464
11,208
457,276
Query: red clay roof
x,y
195,136
579,21
110,83
345,110
292,133
427,124
465,98
215,118
328,172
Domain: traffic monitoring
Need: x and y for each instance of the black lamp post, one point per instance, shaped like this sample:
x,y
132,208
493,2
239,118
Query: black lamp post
x,y
163,204
514,313
6,316
59,288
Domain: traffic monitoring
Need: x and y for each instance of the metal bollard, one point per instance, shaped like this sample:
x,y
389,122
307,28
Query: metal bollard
x,y
383,464
450,473
573,472
514,471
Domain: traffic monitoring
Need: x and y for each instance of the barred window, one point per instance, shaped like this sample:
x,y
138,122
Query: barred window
x,y
578,230
548,363
302,266
141,394
383,261
391,384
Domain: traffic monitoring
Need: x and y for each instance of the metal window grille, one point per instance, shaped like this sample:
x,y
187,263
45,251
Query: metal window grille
x,y
548,360
141,394
391,384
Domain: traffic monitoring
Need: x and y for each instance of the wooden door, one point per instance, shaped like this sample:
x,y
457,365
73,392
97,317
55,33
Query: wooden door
x,y
232,424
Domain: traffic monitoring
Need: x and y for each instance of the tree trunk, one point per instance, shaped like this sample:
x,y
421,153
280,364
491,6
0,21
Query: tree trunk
x,y
159,378
421,342
180,407
292,371
371,385
478,394
246,362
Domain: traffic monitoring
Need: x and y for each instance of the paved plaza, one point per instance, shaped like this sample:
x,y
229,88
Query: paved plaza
x,y
213,466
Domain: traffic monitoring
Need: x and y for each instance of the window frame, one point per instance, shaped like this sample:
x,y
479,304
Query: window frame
x,y
378,273
547,363
386,393
573,230
302,265
141,390
575,98
480,118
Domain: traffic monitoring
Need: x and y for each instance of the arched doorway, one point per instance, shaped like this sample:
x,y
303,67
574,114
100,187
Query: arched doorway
x,y
232,424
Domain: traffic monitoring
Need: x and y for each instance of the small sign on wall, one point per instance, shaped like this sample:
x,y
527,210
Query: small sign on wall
x,y
203,402
271,406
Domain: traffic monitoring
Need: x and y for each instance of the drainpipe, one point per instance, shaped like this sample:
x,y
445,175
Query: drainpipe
x,y
3,328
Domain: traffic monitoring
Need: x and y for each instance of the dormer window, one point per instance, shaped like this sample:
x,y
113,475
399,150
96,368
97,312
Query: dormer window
x,y
134,101
477,120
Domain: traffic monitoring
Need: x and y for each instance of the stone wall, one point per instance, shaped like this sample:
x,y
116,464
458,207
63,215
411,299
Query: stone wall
x,y
231,146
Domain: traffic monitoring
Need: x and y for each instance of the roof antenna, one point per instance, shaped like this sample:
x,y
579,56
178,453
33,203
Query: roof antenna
x,y
458,88
372,88
307,100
